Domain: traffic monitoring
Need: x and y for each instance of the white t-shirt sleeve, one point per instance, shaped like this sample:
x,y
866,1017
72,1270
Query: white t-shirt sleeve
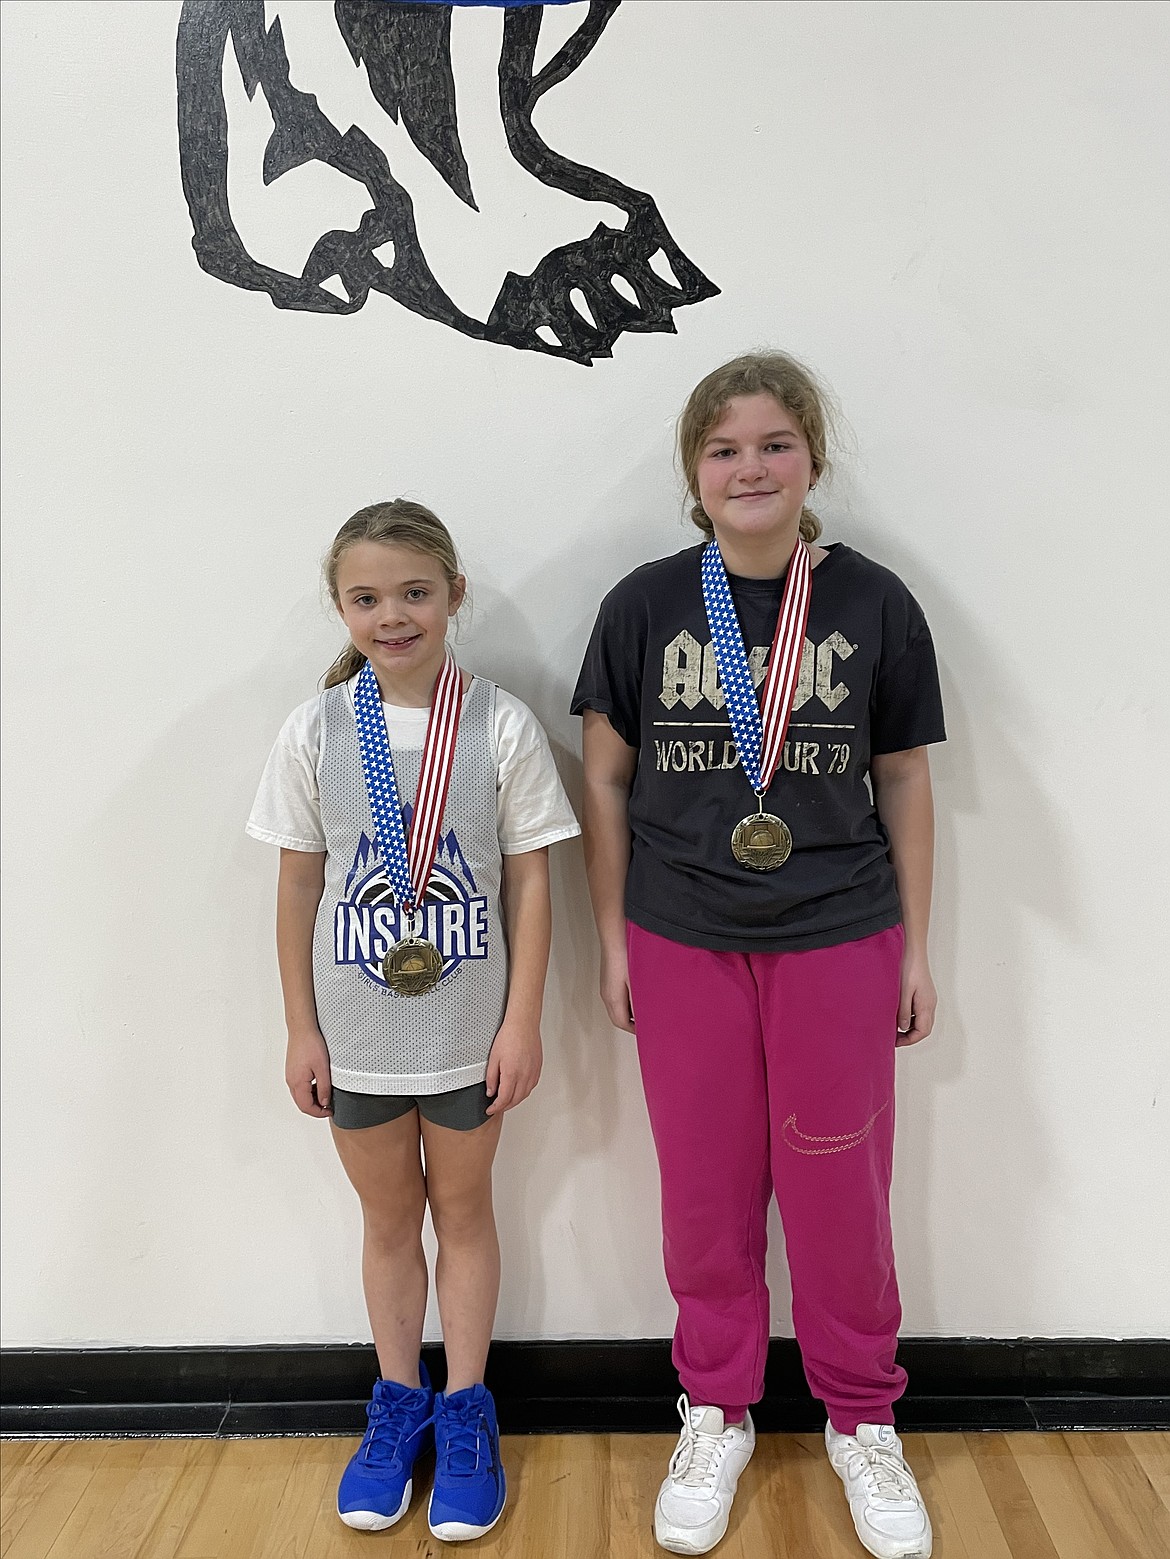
x,y
532,810
287,808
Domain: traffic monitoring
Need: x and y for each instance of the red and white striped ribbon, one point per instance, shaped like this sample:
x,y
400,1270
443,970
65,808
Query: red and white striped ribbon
x,y
784,662
434,778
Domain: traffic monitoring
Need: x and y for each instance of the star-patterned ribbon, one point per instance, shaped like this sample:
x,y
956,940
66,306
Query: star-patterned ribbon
x,y
408,866
759,728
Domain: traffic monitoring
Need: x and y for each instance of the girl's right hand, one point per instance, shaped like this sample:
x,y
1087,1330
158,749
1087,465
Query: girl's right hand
x,y
615,989
306,1071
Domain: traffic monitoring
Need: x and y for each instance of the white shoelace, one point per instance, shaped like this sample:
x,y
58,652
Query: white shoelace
x,y
884,1473
695,1463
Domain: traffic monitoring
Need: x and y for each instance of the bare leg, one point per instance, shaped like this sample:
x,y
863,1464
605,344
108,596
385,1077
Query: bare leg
x,y
467,1272
385,1170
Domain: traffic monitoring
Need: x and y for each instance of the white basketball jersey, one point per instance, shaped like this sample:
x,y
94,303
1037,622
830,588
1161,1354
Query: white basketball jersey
x,y
381,1042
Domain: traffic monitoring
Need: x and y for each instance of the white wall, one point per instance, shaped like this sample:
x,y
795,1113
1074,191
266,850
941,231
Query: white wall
x,y
958,213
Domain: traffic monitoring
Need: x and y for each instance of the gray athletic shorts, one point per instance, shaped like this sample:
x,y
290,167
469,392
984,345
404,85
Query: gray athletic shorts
x,y
463,1109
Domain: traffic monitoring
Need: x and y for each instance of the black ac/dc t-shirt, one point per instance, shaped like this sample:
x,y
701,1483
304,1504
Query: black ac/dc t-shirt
x,y
868,684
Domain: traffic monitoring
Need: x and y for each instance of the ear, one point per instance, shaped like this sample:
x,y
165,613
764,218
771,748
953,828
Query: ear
x,y
456,591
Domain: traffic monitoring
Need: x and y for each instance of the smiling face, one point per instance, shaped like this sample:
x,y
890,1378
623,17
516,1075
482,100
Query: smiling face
x,y
396,602
754,471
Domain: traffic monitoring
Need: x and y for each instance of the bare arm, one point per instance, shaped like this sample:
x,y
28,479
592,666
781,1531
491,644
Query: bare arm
x,y
610,765
298,893
516,1056
902,794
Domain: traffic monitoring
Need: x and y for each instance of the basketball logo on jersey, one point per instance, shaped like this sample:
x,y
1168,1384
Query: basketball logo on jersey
x,y
368,921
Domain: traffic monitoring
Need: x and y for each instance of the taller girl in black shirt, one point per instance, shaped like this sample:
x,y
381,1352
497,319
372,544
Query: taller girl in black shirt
x,y
760,866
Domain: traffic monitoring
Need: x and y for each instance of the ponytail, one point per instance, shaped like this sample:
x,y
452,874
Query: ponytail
x,y
348,664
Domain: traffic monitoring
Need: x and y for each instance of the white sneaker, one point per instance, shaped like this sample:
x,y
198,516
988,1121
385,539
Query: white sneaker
x,y
883,1497
694,1502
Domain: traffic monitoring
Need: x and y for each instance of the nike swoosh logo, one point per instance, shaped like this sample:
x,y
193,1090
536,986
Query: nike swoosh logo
x,y
814,1147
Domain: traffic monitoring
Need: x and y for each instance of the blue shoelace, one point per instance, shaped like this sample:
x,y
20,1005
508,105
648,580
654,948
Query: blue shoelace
x,y
466,1429
388,1424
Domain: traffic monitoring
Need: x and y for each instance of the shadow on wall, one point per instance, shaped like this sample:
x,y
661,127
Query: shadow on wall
x,y
191,1107
591,1083
1002,865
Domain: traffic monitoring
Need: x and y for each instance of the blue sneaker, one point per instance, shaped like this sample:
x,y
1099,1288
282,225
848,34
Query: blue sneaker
x,y
468,1497
376,1485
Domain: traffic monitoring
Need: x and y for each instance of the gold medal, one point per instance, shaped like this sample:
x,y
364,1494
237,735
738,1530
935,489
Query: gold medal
x,y
761,842
413,966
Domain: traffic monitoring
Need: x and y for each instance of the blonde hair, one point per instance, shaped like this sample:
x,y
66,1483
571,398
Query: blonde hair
x,y
398,523
789,383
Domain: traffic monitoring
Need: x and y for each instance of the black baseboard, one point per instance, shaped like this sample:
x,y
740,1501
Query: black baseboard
x,y
562,1387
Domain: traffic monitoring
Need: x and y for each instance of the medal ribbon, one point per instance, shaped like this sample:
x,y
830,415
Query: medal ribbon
x,y
759,727
408,867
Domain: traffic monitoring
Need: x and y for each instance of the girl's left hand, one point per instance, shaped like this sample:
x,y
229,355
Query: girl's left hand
x,y
917,1001
513,1066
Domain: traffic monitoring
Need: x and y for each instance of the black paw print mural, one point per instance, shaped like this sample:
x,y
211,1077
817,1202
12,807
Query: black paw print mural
x,y
574,303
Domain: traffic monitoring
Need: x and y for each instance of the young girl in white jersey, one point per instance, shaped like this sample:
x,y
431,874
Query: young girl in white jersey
x,y
414,805
763,923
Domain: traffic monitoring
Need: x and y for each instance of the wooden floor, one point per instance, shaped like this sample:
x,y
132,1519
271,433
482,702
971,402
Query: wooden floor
x,y
991,1496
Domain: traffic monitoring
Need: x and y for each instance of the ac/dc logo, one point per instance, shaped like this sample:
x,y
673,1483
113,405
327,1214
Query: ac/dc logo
x,y
575,303
690,672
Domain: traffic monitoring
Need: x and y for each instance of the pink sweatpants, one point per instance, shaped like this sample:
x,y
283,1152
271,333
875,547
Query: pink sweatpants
x,y
775,1071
